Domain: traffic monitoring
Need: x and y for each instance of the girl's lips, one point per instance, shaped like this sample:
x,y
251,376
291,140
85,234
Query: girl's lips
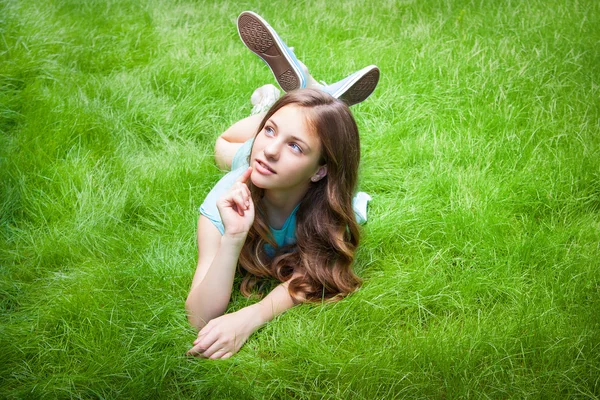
x,y
263,168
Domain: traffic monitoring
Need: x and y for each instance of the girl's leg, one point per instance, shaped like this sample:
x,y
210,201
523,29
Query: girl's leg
x,y
232,139
290,72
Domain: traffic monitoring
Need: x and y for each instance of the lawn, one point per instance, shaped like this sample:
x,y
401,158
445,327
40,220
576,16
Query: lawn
x,y
480,148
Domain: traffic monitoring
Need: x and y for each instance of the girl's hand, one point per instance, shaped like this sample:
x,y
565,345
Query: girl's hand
x,y
236,207
222,337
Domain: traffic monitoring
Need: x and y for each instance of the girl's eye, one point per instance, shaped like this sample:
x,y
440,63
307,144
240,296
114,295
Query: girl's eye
x,y
269,131
296,148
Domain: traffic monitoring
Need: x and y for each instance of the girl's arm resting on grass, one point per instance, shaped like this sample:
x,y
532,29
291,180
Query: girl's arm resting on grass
x,y
275,303
218,255
224,336
213,280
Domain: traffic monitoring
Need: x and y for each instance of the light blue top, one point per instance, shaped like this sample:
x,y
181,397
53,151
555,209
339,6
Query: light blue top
x,y
284,236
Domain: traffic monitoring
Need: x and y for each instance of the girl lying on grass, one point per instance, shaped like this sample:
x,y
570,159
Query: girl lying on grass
x,y
285,210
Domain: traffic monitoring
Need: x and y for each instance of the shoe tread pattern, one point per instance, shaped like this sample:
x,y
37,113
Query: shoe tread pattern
x,y
258,39
362,88
255,36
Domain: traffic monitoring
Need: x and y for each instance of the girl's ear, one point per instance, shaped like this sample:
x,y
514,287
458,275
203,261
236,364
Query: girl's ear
x,y
320,174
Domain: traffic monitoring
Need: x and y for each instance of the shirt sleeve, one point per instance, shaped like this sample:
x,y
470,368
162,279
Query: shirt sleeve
x,y
240,157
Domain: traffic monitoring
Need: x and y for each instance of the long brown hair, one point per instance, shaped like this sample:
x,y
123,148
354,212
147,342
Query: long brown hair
x,y
326,230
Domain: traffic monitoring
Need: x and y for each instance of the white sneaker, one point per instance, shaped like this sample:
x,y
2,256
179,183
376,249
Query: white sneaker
x,y
356,87
262,39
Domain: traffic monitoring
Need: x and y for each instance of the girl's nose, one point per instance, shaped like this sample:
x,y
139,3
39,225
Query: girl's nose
x,y
272,151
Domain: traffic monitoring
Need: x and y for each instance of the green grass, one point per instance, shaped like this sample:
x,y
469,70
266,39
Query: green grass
x,y
481,149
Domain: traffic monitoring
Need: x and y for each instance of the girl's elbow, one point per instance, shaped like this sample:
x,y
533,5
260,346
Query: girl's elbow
x,y
222,158
194,319
198,317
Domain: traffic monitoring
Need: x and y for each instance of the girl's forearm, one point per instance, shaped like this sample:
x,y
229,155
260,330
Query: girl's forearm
x,y
209,298
274,304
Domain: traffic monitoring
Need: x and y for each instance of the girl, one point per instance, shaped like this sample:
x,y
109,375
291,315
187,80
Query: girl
x,y
284,211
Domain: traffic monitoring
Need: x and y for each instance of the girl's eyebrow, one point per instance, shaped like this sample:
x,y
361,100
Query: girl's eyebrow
x,y
295,138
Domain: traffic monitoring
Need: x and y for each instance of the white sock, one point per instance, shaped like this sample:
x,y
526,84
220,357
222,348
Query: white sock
x,y
310,81
360,203
263,98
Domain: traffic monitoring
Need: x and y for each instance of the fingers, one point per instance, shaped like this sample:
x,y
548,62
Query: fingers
x,y
213,350
221,354
242,198
245,175
194,351
208,344
202,344
203,332
239,198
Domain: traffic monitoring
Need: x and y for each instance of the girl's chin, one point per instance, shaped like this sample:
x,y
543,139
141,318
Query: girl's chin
x,y
257,181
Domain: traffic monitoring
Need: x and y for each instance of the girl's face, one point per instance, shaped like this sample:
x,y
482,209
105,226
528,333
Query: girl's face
x,y
286,153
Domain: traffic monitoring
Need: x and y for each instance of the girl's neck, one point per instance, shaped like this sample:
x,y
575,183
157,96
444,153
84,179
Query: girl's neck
x,y
280,204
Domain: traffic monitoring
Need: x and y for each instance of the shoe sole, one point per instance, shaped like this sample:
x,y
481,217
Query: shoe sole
x,y
360,89
256,35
